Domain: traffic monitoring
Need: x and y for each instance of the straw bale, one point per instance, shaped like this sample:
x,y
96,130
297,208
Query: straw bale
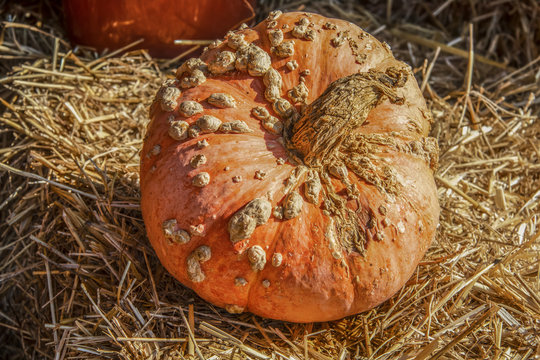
x,y
79,280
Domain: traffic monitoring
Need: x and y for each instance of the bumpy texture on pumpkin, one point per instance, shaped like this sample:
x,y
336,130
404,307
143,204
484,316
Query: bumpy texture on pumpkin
x,y
304,169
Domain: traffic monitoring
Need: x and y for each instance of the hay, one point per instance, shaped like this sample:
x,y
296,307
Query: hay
x,y
79,279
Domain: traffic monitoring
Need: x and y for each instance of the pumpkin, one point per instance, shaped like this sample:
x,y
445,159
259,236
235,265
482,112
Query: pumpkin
x,y
288,171
112,24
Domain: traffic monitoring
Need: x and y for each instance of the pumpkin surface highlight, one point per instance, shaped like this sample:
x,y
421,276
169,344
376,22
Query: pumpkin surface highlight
x,y
288,171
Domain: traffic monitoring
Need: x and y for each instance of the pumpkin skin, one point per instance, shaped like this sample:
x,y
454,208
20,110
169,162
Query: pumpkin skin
x,y
112,24
321,277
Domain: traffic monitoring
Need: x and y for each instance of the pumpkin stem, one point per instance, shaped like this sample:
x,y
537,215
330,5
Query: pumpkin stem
x,y
316,136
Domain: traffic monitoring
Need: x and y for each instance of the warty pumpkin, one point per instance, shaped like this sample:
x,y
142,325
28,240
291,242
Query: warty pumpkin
x,y
288,171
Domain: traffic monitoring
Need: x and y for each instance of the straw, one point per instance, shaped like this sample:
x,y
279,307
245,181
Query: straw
x,y
79,279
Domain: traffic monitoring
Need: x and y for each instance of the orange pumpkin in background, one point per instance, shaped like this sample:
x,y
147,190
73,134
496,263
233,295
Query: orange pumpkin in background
x,y
112,24
288,171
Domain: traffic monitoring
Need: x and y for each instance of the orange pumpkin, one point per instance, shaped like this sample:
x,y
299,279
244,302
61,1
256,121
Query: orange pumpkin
x,y
112,24
288,172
